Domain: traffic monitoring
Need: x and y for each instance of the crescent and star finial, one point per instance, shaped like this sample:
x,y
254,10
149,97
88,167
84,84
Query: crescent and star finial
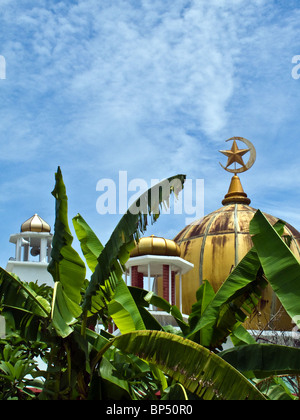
x,y
235,155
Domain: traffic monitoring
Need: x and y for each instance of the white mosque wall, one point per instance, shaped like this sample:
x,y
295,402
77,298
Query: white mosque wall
x,y
31,272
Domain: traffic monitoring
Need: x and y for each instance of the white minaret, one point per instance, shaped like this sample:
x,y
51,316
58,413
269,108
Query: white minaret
x,y
33,249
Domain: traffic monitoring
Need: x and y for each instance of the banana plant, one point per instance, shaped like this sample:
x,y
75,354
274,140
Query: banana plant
x,y
240,293
72,302
16,369
79,361
199,370
281,267
22,307
217,315
263,360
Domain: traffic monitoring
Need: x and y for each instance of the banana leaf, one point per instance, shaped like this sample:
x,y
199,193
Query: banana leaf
x,y
240,336
144,299
17,295
199,370
89,242
235,300
111,261
123,310
280,266
23,309
275,388
112,387
225,321
129,317
236,310
175,392
66,266
236,284
263,360
204,295
91,248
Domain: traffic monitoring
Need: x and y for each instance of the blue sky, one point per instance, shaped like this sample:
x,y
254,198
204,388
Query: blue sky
x,y
151,87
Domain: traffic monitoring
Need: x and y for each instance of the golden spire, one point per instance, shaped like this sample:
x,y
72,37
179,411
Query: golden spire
x,y
236,193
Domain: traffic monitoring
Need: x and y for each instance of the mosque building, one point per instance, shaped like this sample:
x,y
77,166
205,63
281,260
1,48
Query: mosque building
x,y
207,249
215,244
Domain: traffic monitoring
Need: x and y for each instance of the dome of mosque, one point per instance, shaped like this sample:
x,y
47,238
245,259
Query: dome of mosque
x,y
153,245
217,242
35,224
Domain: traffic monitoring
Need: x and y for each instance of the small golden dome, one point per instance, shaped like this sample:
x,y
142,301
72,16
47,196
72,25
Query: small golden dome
x,y
35,224
153,245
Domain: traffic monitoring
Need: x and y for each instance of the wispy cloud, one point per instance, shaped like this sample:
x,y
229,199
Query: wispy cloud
x,y
150,87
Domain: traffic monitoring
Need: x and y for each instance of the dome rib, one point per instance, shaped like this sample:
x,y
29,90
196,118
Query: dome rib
x,y
236,245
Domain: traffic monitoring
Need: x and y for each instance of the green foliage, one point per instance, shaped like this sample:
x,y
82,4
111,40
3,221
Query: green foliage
x,y
202,372
275,388
175,392
89,242
123,310
264,360
224,311
18,368
115,253
67,268
280,266
17,295
23,307
145,360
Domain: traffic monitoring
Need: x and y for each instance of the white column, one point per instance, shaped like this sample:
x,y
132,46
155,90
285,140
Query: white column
x,y
49,249
26,253
18,249
43,250
149,277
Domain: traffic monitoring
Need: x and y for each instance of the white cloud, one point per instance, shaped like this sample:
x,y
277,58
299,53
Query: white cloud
x,y
152,87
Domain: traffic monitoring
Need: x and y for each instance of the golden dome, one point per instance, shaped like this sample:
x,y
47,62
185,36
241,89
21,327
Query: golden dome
x,y
35,224
216,243
153,245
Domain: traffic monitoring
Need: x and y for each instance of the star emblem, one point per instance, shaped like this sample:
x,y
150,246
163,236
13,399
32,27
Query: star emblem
x,y
234,155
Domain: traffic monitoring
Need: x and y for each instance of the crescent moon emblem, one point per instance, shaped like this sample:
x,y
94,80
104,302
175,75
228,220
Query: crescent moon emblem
x,y
251,160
